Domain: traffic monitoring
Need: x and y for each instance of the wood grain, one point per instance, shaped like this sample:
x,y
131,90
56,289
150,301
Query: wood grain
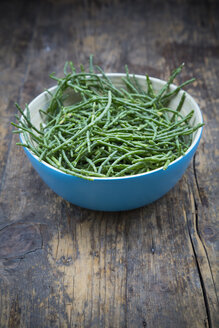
x,y
64,266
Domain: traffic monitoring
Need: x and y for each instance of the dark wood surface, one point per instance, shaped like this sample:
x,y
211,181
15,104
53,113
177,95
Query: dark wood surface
x,y
64,266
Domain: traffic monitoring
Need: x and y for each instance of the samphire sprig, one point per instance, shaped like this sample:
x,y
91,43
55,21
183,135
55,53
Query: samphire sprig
x,y
109,131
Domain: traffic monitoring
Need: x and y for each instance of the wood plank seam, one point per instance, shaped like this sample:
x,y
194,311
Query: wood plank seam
x,y
201,261
198,232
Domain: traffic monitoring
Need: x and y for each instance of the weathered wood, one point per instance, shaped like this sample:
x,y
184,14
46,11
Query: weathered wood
x,y
63,266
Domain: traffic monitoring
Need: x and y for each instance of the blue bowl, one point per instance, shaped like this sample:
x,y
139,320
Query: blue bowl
x,y
122,193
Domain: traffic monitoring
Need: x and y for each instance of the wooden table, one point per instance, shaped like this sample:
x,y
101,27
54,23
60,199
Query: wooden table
x,y
64,266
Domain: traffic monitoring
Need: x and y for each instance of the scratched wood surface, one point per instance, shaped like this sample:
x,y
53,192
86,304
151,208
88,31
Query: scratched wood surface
x,y
64,266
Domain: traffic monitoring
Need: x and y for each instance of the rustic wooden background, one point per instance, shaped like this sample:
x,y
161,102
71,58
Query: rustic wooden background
x,y
64,266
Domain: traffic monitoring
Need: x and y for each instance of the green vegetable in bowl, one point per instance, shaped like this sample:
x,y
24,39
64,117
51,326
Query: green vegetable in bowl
x,y
109,131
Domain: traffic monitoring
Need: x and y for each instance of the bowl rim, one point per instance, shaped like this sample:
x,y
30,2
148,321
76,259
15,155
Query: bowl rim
x,y
153,79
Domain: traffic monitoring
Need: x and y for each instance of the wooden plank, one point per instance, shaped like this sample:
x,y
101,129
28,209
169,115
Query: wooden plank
x,y
203,220
15,39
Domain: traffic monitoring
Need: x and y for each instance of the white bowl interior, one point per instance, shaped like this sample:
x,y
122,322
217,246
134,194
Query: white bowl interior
x,y
42,101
